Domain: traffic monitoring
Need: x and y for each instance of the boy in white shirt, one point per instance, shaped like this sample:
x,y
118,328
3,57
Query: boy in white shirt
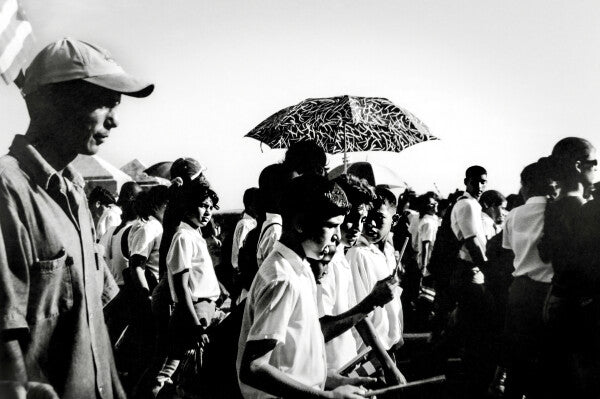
x,y
372,260
281,351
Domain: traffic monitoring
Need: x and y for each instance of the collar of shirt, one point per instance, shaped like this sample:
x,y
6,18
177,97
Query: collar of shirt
x,y
537,200
186,226
36,166
246,216
301,266
272,218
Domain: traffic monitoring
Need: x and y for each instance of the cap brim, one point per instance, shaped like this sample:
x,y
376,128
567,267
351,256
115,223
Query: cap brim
x,y
123,83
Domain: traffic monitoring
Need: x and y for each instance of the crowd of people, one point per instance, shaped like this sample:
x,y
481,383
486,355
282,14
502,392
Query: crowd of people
x,y
125,296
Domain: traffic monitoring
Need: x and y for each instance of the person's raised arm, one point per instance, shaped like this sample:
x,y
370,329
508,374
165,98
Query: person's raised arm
x,y
256,371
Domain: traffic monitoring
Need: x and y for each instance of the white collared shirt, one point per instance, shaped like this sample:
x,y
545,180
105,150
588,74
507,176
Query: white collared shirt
x,y
522,232
242,228
144,239
270,233
428,227
111,217
281,305
467,222
336,295
369,265
188,251
114,257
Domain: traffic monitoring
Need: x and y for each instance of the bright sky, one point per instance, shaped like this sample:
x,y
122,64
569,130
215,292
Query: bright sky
x,y
498,82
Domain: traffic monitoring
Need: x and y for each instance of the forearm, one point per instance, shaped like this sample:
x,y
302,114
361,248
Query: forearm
x,y
332,326
139,278
475,250
269,379
184,297
12,362
425,252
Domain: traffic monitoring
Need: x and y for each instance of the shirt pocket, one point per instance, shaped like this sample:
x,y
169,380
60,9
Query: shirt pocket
x,y
50,288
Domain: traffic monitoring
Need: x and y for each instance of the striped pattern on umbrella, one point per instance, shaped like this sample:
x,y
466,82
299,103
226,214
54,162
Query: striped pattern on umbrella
x,y
16,41
344,124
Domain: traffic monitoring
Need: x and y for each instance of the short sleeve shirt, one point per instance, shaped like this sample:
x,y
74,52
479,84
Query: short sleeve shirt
x,y
144,239
336,295
522,233
270,233
242,228
189,252
113,255
467,222
281,305
52,277
369,265
428,227
111,217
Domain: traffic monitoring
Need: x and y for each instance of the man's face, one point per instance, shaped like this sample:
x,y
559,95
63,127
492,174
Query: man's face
x,y
379,223
476,185
353,224
497,213
202,214
588,168
432,206
322,237
89,120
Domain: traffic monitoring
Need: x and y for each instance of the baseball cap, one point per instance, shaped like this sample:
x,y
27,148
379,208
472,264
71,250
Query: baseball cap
x,y
186,168
71,59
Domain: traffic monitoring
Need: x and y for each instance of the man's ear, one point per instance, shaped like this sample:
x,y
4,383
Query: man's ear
x,y
578,167
395,219
97,204
298,223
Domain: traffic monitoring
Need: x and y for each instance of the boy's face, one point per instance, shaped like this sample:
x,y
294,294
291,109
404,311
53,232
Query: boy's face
x,y
319,240
353,224
379,223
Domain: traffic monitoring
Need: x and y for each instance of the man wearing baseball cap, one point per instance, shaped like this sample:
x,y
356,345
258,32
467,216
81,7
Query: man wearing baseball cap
x,y
53,281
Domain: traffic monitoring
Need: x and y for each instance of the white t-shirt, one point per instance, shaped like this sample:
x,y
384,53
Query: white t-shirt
x,y
490,227
116,261
336,295
281,305
188,251
270,233
428,227
242,228
413,228
144,239
111,217
369,265
522,232
467,222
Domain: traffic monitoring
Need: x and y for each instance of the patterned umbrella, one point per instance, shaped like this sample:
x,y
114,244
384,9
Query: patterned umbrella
x,y
344,124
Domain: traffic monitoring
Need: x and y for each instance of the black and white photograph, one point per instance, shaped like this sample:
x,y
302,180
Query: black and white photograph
x,y
299,199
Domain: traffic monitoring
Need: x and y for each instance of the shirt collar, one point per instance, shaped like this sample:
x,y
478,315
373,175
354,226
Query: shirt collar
x,y
38,169
182,226
273,217
246,216
537,200
299,264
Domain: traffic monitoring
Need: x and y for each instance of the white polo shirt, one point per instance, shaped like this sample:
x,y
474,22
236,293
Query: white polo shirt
x,y
270,233
336,295
242,228
188,251
369,265
281,305
522,232
114,257
144,239
467,222
428,227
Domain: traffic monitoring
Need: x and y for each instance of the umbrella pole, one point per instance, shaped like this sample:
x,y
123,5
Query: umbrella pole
x,y
345,153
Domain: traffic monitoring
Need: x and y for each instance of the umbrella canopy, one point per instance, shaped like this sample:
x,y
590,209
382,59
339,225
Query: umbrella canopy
x,y
344,124
373,173
161,169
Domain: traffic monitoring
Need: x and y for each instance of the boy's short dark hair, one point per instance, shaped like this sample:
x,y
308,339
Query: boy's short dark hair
x,y
194,193
148,202
305,157
102,195
357,190
250,197
315,196
384,196
475,171
491,198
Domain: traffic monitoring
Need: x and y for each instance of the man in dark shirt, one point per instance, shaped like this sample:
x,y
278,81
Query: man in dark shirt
x,y
53,281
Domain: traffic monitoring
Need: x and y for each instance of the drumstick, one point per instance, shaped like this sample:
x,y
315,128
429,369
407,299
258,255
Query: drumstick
x,y
400,388
397,269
